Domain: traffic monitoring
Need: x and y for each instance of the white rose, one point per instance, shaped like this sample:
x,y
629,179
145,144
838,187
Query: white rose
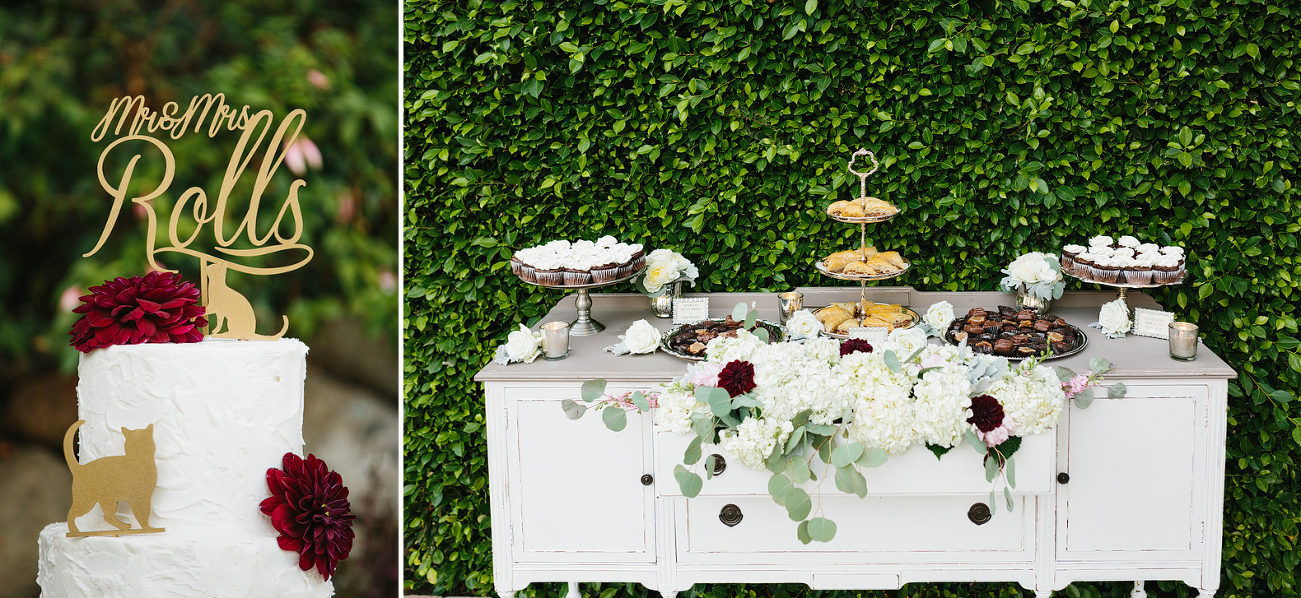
x,y
1044,270
802,324
1024,270
909,340
641,338
1114,317
658,275
939,316
523,345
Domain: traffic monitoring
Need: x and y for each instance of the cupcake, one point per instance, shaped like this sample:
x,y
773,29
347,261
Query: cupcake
x,y
550,270
1139,273
1084,265
516,265
576,277
1165,270
1128,241
605,273
1107,270
1100,241
1068,256
638,256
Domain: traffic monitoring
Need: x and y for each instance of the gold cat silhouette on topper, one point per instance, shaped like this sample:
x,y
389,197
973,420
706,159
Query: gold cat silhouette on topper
x,y
227,305
106,481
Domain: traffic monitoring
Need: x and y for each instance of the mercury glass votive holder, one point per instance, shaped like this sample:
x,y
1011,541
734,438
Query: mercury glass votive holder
x,y
788,304
1183,341
555,340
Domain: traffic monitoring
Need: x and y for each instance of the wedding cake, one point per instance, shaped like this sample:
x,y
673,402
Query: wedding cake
x,y
222,413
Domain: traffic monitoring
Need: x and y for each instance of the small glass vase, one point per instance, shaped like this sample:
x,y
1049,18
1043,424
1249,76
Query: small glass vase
x,y
662,306
1024,300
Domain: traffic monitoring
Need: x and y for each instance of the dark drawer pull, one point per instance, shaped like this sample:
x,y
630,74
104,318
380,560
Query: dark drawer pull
x,y
730,515
979,513
1063,478
647,479
719,464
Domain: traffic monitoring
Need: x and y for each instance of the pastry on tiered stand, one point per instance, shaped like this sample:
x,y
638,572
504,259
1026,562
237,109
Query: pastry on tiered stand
x,y
864,263
862,209
838,318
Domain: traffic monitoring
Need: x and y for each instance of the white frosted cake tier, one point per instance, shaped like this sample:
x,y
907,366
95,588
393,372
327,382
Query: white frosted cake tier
x,y
224,411
169,565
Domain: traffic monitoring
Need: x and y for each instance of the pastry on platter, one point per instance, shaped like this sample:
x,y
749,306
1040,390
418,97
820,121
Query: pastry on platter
x,y
865,207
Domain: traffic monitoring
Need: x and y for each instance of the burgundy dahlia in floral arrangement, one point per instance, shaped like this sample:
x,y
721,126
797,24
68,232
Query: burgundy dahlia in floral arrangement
x,y
309,507
992,424
737,378
855,345
158,307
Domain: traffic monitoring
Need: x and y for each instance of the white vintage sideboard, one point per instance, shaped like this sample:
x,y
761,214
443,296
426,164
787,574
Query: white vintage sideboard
x,y
1128,489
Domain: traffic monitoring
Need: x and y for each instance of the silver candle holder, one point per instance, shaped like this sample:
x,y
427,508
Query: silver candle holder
x,y
1183,341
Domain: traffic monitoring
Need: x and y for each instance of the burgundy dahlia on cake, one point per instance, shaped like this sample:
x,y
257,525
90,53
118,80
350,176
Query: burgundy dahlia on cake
x,y
309,507
158,307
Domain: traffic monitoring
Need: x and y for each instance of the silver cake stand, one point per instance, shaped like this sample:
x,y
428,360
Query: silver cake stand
x,y
1124,286
585,325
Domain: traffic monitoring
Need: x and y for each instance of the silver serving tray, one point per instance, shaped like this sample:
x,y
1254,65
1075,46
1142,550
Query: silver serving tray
x,y
862,219
575,287
915,316
823,269
775,335
1125,285
1084,342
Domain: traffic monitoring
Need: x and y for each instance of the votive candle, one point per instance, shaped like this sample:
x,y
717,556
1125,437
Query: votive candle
x,y
1183,341
789,303
555,340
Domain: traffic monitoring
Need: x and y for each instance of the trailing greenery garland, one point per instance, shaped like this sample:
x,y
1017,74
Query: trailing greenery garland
x,y
721,130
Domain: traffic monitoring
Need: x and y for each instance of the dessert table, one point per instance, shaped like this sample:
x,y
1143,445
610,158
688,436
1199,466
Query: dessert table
x,y
1127,489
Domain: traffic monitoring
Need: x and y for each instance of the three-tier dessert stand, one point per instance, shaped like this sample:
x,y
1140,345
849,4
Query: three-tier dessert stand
x,y
862,221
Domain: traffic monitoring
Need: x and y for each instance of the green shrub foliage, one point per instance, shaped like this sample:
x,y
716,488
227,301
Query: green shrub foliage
x,y
722,129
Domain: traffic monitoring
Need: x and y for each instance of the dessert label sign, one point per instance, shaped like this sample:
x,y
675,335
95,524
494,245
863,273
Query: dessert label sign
x,y
689,310
134,132
1153,323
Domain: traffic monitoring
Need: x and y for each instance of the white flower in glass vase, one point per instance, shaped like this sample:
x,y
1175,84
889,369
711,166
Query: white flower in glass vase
x,y
1039,273
641,338
664,267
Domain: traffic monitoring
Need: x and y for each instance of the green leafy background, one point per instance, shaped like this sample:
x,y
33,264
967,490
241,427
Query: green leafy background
x,y
722,129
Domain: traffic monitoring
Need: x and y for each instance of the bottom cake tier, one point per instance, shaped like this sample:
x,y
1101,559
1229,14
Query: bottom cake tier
x,y
163,565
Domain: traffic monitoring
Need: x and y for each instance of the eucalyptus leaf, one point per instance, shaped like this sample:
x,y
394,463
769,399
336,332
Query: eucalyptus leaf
x,y
1009,471
593,390
703,426
799,469
993,506
692,455
892,362
720,404
860,483
1008,495
778,486
795,439
639,400
915,354
776,462
689,482
750,319
709,466
801,417
702,393
1117,391
845,479
822,529
922,373
762,334
873,457
1099,365
572,409
991,468
802,532
798,504
1064,374
975,442
1084,398
615,418
822,429
739,312
846,454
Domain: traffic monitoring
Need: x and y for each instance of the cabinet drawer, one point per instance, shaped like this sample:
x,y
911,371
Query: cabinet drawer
x,y
926,524
915,472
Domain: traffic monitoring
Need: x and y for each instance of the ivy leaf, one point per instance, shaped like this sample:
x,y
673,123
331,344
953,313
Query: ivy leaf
x,y
615,418
939,451
690,483
822,529
798,504
572,409
593,390
1010,446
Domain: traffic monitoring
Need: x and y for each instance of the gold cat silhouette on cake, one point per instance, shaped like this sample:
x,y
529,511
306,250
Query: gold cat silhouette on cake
x,y
107,481
226,305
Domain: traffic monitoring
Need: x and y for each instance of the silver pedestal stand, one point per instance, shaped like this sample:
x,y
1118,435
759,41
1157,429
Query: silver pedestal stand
x,y
585,325
862,222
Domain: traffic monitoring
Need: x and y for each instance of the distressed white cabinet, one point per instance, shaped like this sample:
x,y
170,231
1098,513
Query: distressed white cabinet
x,y
1127,489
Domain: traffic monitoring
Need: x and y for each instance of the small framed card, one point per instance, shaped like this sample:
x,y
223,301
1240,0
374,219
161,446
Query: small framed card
x,y
1153,323
871,334
689,310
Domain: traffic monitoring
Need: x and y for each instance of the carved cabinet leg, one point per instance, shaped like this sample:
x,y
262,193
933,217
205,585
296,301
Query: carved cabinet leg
x,y
1043,593
573,590
1206,592
1138,591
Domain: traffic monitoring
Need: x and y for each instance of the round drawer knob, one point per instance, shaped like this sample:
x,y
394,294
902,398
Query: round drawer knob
x,y
979,513
1063,478
730,515
647,479
720,465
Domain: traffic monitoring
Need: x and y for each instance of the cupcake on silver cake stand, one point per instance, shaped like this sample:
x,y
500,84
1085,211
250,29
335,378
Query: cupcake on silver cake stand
x,y
585,325
1123,286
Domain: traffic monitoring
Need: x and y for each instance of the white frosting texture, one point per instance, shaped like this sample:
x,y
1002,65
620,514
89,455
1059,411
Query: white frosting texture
x,y
224,411
168,565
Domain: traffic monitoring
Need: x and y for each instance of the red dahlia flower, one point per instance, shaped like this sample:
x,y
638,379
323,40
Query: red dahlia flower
x,y
156,308
986,413
855,345
737,378
309,507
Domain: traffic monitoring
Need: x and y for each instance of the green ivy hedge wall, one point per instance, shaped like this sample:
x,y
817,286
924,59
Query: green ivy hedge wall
x,y
722,129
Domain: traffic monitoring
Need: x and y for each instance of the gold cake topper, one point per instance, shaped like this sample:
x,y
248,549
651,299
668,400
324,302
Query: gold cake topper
x,y
225,305
107,481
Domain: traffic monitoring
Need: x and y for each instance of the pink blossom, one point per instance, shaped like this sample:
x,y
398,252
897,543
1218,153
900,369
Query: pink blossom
x,y
706,374
932,360
1076,385
998,435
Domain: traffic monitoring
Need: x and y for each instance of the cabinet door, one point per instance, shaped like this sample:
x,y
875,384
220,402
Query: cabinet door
x,y
576,487
1136,486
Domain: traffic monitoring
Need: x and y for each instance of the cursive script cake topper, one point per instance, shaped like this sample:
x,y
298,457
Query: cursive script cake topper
x,y
224,305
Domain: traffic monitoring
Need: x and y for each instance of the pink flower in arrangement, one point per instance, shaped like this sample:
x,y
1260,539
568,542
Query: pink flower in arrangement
x,y
1076,385
705,374
737,378
155,308
309,508
931,361
993,426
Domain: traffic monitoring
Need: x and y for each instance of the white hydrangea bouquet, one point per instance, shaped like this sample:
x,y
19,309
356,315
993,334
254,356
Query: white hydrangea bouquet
x,y
1039,273
775,406
663,268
